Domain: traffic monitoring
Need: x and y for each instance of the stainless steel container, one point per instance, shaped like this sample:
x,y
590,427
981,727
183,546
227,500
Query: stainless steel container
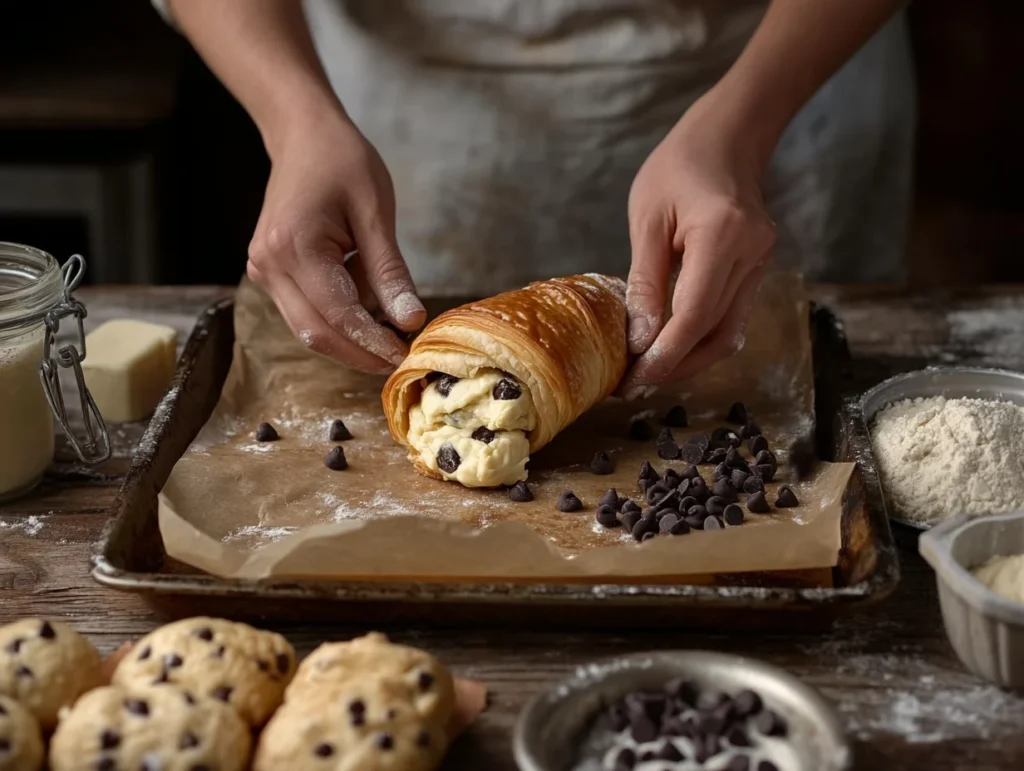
x,y
549,730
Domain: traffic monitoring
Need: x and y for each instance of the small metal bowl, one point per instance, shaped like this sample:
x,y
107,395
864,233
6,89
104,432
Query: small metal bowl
x,y
951,382
985,629
550,729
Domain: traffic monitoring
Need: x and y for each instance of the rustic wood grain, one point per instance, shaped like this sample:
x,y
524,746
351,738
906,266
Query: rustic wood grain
x,y
906,700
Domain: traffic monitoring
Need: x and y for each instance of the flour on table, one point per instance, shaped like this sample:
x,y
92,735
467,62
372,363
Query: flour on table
x,y
940,457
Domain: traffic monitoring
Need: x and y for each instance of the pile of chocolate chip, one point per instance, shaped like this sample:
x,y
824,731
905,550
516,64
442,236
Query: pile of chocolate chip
x,y
682,722
679,501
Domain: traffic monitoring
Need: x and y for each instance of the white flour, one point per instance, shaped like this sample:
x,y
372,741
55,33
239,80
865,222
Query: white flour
x,y
940,457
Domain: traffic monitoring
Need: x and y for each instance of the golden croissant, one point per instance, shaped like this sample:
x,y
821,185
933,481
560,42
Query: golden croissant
x,y
489,383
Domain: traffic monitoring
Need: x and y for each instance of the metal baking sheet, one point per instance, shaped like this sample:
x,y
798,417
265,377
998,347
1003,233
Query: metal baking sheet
x,y
132,556
951,382
549,729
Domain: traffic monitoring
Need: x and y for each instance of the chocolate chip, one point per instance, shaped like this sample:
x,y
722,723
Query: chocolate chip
x,y
266,433
750,430
747,703
668,501
687,503
714,457
683,488
339,432
568,501
198,767
691,472
22,671
697,511
445,383
786,498
323,750
676,417
188,698
223,693
203,633
163,677
643,729
622,501
46,631
188,740
716,505
3,710
218,653
656,492
766,458
734,460
724,488
770,723
648,535
640,430
691,453
109,739
765,472
738,763
357,707
671,478
713,523
506,390
738,414
737,737
733,515
483,434
137,707
425,681
753,484
720,471
644,526
262,665
699,489
448,459
106,764
705,748
602,463
423,740
629,519
172,660
606,517
387,741
757,444
626,758
681,527
767,765
669,752
520,492
335,460
725,437
666,523
700,440
739,478
630,506
610,497
647,472
667,450
757,503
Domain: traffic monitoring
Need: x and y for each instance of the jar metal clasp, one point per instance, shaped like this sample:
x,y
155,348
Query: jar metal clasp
x,y
94,447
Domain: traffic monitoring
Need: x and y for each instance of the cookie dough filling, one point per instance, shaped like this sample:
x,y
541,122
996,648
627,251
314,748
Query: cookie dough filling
x,y
473,430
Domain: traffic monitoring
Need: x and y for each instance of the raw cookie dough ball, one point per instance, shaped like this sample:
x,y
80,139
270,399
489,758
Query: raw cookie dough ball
x,y
21,741
150,728
424,678
247,668
46,665
366,724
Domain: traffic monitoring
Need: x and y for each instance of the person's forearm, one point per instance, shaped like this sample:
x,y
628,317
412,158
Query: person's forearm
x,y
798,46
263,53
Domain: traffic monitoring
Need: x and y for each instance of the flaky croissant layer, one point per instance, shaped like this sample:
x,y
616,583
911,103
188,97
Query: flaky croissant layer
x,y
490,382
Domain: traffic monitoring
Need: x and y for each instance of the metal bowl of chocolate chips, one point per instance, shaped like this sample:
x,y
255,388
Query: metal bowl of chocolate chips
x,y
680,710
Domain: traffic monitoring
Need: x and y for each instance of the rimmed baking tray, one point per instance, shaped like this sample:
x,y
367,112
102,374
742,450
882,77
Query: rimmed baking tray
x,y
132,556
951,382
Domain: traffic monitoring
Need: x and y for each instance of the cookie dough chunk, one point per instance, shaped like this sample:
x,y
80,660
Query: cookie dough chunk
x,y
46,665
150,728
21,741
423,678
245,667
367,725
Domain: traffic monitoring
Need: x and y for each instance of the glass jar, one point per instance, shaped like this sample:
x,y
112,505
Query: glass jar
x,y
35,294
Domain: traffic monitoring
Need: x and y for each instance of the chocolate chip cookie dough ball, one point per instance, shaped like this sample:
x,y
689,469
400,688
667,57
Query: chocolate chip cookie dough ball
x,y
46,665
151,728
235,663
21,741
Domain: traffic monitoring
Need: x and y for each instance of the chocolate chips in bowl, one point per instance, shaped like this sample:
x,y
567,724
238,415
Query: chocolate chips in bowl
x,y
680,710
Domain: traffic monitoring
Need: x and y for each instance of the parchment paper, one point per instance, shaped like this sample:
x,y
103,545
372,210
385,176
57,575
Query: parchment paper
x,y
241,509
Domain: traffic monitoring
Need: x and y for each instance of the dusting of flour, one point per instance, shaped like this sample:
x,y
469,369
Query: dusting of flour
x,y
940,457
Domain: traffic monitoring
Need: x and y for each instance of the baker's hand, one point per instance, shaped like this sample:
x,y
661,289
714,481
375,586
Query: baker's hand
x,y
698,195
329,194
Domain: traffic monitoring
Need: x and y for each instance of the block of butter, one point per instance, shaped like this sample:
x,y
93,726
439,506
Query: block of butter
x,y
128,366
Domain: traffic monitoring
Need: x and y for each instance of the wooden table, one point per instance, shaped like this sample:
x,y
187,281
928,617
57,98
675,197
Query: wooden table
x,y
906,700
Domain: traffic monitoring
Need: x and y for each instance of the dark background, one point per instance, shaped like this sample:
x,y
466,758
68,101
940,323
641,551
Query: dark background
x,y
105,110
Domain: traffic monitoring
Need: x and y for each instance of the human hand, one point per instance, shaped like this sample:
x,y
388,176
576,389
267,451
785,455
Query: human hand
x,y
329,193
698,195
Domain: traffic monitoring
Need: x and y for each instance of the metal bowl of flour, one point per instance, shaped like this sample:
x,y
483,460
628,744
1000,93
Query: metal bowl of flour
x,y
950,382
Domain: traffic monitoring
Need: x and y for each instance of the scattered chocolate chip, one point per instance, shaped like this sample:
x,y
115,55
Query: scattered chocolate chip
x,y
568,501
266,433
691,472
767,765
189,699
22,671
602,463
483,434
700,440
753,484
647,472
739,478
687,503
3,710
671,478
714,457
425,681
387,741
648,535
46,631
520,492
284,663
643,729
630,506
737,736
725,437
640,430
666,523
738,414
606,517
733,515
676,417
507,390
14,645
218,653
757,444
681,527
665,435
738,763
445,383
770,723
716,505
323,750
766,458
765,472
750,430
188,740
734,460
699,489
109,739
747,703
720,471
448,459
691,453
757,503
172,660
669,752
697,511
644,526
223,693
667,450
724,488
203,633
786,498
629,519
669,501
610,497
656,492
335,460
626,758
262,665
713,523
339,432
163,677
622,501
106,764
137,707
144,653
